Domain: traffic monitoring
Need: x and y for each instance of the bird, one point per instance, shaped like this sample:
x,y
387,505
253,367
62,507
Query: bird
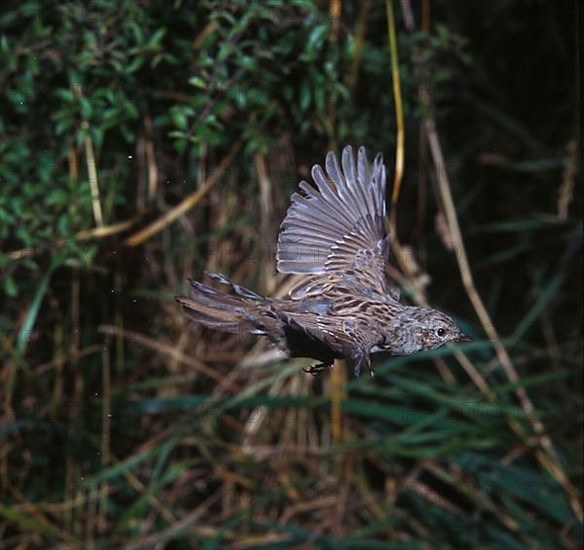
x,y
344,307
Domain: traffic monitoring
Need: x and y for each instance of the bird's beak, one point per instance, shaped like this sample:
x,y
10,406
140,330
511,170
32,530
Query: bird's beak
x,y
463,338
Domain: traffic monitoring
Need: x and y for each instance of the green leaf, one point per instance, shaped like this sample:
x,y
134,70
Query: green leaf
x,y
197,82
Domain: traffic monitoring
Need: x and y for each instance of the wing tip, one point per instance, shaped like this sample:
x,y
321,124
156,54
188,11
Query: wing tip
x,y
342,190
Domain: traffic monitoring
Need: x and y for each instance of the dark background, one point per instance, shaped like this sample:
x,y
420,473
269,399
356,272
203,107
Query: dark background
x,y
122,424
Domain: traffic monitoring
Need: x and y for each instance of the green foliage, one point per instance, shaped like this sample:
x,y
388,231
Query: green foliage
x,y
122,425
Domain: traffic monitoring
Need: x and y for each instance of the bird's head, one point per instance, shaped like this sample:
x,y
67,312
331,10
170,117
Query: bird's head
x,y
422,328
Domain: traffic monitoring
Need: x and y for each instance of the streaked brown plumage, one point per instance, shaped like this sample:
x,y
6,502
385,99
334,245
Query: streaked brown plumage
x,y
334,234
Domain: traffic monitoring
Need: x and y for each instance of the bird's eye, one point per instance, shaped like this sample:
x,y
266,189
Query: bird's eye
x,y
441,332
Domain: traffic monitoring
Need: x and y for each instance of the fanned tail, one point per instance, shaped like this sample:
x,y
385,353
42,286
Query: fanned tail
x,y
221,311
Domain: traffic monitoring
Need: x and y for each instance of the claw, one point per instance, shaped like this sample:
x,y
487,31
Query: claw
x,y
318,369
362,359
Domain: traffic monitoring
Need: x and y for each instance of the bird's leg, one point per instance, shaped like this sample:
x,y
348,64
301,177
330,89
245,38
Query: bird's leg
x,y
362,359
318,369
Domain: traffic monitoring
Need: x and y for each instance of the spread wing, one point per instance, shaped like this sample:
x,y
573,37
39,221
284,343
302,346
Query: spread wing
x,y
337,227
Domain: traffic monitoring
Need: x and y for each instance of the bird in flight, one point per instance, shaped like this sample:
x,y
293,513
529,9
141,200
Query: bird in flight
x,y
345,307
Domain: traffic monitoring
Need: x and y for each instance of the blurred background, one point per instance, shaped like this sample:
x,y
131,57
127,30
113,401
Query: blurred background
x,y
146,141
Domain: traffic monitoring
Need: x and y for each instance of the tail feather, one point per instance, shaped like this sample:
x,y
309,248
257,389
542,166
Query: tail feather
x,y
218,310
242,291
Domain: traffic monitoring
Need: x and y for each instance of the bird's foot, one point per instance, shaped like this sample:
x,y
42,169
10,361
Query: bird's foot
x,y
357,371
361,360
317,370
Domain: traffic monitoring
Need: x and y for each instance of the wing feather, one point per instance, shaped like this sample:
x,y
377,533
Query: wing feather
x,y
337,226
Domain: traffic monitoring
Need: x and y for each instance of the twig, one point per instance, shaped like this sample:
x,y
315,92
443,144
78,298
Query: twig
x,y
95,233
150,159
185,205
359,40
399,120
566,191
91,168
168,350
266,202
92,173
